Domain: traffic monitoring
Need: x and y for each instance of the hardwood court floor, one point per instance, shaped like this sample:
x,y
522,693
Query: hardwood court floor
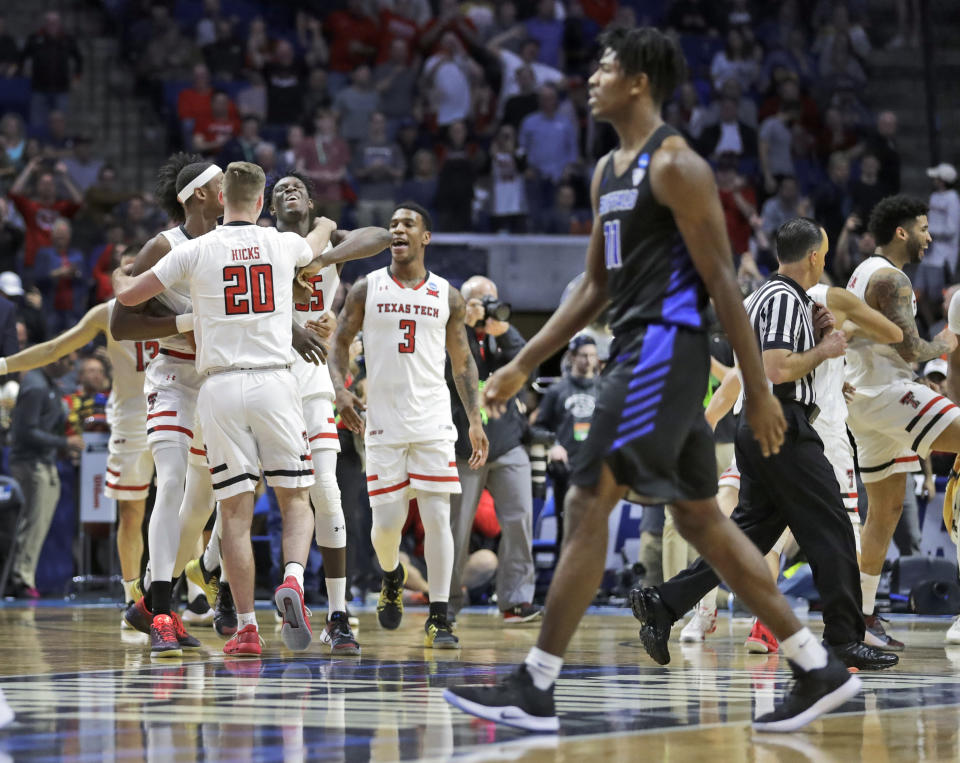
x,y
84,690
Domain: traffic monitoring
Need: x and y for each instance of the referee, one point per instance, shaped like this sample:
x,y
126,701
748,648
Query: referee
x,y
796,487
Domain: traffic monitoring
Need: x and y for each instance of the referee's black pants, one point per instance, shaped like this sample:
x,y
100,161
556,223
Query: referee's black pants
x,y
796,488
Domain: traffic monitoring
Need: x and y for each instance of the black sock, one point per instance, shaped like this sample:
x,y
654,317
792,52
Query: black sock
x,y
396,576
438,609
203,569
147,598
161,593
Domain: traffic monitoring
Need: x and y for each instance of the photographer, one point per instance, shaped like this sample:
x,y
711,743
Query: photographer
x,y
494,342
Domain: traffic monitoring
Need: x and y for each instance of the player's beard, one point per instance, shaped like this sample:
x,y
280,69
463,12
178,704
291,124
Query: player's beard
x,y
915,249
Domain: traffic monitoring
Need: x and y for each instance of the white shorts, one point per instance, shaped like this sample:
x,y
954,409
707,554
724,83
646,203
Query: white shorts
x,y
730,476
430,467
129,469
253,420
321,425
839,452
171,385
787,536
896,426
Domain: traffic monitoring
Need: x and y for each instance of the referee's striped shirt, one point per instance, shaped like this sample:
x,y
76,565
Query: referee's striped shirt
x,y
781,316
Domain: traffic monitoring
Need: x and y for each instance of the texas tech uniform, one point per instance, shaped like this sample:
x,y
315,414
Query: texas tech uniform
x,y
893,418
172,381
409,430
316,388
240,278
130,465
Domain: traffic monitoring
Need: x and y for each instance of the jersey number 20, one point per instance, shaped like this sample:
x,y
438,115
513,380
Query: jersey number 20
x,y
248,289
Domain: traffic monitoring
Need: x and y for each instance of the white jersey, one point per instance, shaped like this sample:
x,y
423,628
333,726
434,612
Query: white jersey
x,y
872,366
404,346
315,380
953,313
176,298
127,406
240,278
828,378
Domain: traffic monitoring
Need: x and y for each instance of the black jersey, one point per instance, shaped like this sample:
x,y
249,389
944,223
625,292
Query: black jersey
x,y
650,276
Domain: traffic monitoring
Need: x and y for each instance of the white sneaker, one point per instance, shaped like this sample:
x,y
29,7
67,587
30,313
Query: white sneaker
x,y
703,622
953,635
192,617
6,712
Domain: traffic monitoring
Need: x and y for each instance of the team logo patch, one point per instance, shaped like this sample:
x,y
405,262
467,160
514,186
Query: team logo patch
x,y
433,290
641,169
909,399
151,400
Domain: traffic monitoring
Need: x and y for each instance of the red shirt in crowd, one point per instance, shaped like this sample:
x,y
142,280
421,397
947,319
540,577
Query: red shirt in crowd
x,y
738,226
216,129
39,219
343,30
393,26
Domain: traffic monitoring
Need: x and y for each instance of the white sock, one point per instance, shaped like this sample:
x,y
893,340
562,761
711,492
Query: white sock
x,y
869,585
336,595
193,591
211,554
437,543
543,667
147,578
804,649
295,569
246,618
128,590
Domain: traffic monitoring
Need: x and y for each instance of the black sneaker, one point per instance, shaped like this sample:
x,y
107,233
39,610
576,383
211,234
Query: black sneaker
x,y
339,636
390,604
655,622
877,635
225,612
522,613
814,693
515,701
439,633
861,656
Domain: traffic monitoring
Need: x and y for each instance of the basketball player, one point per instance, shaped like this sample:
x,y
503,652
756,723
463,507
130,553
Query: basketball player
x,y
410,317
129,466
951,515
291,204
240,278
658,238
894,419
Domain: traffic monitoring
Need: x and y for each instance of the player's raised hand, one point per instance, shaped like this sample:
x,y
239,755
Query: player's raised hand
x,y
349,406
765,417
481,447
501,386
308,345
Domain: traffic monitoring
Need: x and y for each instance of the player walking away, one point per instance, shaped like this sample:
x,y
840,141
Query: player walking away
x,y
171,389
951,514
410,317
240,279
129,465
658,238
894,419
291,204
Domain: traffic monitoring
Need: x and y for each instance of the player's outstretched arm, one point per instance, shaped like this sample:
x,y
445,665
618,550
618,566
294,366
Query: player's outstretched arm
x,y
466,377
349,405
135,290
867,322
684,182
91,324
723,398
135,323
355,245
891,293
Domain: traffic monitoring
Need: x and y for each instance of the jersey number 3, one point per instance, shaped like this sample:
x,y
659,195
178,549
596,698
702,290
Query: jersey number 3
x,y
611,244
248,289
409,343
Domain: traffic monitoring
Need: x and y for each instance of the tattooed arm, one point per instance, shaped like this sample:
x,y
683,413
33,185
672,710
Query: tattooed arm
x,y
890,292
351,321
466,377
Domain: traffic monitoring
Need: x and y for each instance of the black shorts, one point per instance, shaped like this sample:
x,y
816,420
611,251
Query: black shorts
x,y
648,425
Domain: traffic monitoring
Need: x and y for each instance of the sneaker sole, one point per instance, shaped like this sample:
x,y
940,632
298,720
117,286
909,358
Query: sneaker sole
x,y
653,647
948,639
295,631
258,653
192,618
345,651
877,643
758,647
848,689
390,626
508,716
441,645
527,619
166,653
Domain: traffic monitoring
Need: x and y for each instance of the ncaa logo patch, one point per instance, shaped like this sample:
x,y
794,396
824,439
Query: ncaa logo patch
x,y
640,171
433,290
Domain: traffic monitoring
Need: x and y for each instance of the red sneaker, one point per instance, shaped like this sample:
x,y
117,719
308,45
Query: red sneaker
x,y
163,638
761,640
245,641
296,631
186,640
138,617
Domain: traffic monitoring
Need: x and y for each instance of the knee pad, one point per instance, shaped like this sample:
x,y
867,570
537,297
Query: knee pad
x,y
331,527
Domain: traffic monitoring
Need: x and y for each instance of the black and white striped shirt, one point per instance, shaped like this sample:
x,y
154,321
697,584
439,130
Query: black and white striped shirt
x,y
781,316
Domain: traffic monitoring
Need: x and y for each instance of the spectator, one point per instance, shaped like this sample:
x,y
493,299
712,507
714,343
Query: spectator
x,y
446,78
317,94
564,218
411,140
525,101
284,77
258,45
107,262
9,343
11,238
774,146
547,30
38,424
729,135
505,21
56,143
735,61
266,156
9,51
510,62
739,202
60,276
508,210
242,148
89,398
395,81
835,135
14,138
422,186
100,199
40,211
355,105
140,218
459,171
397,24
787,96
295,138
692,114
746,107
842,28
854,245
939,265
211,134
316,52
53,59
794,56
866,191
82,166
225,55
30,306
839,69
378,168
695,17
169,55
549,139
449,20
324,157
252,99
354,36
579,35
206,31
785,205
832,203
882,143
193,103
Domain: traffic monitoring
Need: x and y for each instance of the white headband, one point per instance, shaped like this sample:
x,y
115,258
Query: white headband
x,y
200,180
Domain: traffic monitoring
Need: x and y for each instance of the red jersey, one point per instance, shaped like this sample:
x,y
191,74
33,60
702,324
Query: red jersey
x,y
393,26
39,219
344,29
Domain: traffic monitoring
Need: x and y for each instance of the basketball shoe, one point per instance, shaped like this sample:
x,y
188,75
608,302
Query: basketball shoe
x,y
953,635
208,582
655,622
439,633
761,640
295,631
514,701
225,611
701,625
138,617
339,636
522,613
876,635
245,642
185,640
163,637
390,603
198,612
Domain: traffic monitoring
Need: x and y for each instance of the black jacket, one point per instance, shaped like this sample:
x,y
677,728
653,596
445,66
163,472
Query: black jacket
x,y
39,419
566,411
506,432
